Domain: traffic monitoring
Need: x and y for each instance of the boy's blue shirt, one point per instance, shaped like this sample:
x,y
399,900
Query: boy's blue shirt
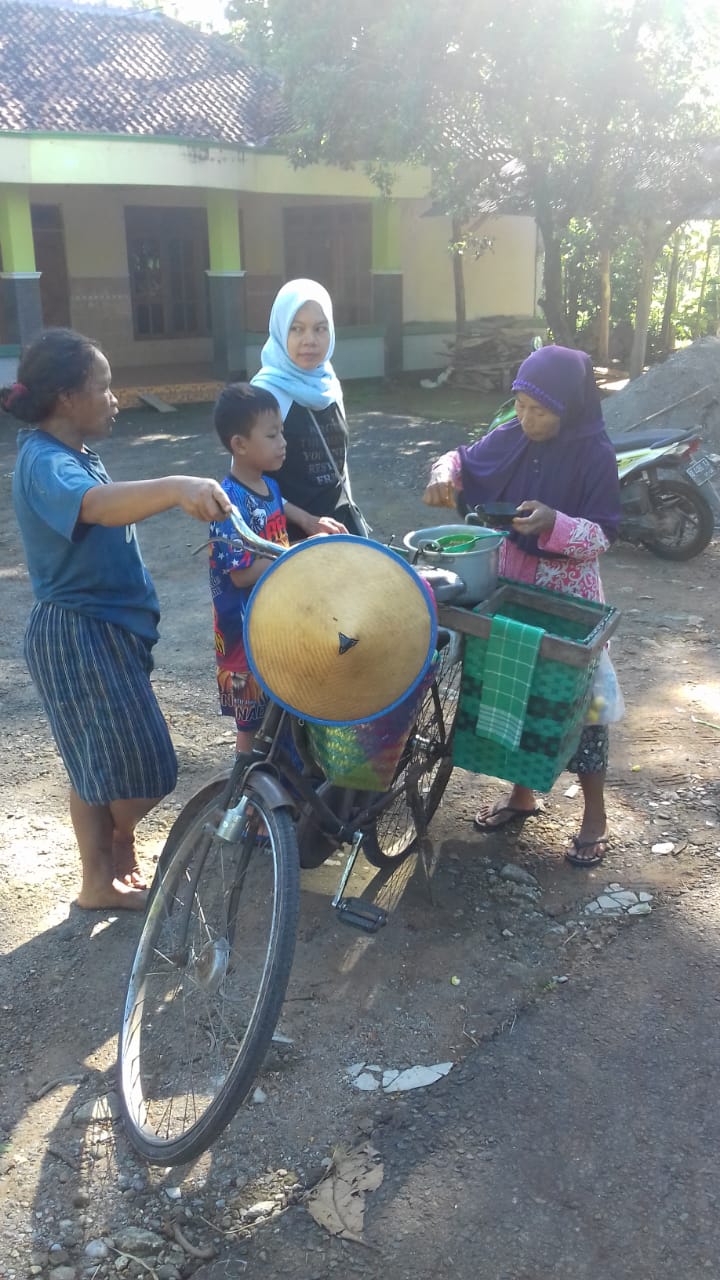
x,y
266,517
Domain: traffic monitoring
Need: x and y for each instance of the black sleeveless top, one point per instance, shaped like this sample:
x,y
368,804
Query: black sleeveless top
x,y
307,477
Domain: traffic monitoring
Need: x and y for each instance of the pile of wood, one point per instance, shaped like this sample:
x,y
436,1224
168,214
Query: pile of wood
x,y
488,356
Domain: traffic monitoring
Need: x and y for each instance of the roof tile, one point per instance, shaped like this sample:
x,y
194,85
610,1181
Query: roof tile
x,y
94,71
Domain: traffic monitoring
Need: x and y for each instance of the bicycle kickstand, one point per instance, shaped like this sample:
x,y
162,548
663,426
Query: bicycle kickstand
x,y
356,911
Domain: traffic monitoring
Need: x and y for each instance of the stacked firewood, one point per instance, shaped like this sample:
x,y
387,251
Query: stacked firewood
x,y
488,356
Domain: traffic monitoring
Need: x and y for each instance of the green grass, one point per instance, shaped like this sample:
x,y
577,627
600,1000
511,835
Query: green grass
x,y
408,398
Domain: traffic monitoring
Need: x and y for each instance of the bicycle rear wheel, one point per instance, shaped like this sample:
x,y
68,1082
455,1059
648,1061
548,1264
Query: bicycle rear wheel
x,y
208,980
425,763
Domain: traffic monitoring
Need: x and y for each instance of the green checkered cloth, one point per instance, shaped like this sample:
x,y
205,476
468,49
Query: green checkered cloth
x,y
510,658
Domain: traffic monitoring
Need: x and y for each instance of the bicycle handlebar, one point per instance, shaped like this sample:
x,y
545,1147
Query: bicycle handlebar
x,y
445,586
253,540
249,540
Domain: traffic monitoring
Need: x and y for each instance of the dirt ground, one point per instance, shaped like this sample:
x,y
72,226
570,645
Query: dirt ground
x,y
487,978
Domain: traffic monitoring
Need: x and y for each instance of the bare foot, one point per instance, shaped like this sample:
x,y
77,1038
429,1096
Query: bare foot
x,y
134,879
125,863
116,895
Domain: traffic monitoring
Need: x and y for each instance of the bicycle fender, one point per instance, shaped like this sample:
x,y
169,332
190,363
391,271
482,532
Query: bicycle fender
x,y
275,795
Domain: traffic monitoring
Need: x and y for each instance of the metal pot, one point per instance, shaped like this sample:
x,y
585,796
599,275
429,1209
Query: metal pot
x,y
475,564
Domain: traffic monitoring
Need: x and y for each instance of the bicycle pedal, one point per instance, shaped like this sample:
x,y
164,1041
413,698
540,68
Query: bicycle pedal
x,y
361,914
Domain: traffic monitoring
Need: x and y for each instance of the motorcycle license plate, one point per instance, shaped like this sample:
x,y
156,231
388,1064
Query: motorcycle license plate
x,y
700,470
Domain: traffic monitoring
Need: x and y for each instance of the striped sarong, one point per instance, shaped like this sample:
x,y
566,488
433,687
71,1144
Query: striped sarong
x,y
93,678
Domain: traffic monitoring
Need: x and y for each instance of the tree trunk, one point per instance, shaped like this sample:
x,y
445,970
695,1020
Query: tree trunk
x,y
602,354
652,242
667,331
572,307
458,280
552,303
701,300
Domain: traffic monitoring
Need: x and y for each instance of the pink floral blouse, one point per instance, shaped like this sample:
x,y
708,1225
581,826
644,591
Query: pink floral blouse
x,y
579,541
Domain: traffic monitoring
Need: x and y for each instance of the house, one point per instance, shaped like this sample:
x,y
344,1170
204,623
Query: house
x,y
142,202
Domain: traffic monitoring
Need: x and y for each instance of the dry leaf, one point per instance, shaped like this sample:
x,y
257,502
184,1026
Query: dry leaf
x,y
338,1203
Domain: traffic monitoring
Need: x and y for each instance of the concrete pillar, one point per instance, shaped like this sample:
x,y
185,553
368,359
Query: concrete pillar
x,y
19,280
227,286
387,281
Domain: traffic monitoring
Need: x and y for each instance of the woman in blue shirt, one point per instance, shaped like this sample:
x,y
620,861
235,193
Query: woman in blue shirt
x,y
91,631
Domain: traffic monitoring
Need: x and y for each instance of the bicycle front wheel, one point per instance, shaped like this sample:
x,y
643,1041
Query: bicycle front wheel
x,y
208,980
425,766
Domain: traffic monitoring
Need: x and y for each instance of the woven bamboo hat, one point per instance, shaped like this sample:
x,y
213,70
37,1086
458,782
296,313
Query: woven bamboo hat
x,y
340,629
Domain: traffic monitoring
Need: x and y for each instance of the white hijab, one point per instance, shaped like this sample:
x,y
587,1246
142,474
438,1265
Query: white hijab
x,y
312,388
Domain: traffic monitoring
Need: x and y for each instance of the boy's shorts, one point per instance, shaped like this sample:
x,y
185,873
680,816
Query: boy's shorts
x,y
242,697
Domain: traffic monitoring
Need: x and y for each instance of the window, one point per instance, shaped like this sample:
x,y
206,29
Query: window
x,y
333,244
168,257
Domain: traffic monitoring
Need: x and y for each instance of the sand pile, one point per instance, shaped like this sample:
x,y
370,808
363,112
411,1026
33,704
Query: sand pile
x,y
694,369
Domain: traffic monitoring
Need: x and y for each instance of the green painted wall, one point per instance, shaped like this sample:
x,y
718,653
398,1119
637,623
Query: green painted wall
x,y
223,231
386,225
16,238
501,281
145,162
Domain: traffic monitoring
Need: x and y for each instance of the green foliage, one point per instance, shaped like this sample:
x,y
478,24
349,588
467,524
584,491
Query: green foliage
x,y
358,76
598,116
697,311
252,28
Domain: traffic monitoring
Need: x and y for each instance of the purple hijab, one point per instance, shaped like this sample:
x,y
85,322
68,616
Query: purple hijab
x,y
575,473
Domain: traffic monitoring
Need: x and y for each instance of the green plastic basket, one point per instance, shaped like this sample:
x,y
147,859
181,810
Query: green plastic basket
x,y
576,632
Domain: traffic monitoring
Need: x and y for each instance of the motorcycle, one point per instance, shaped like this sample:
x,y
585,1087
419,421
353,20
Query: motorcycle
x,y
662,477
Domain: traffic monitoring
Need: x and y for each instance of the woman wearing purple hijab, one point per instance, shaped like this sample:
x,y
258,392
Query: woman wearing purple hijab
x,y
555,462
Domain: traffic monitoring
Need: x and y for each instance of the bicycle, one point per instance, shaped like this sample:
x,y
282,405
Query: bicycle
x,y
215,953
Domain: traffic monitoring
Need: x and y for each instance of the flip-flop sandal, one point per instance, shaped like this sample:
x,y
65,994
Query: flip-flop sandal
x,y
506,814
577,859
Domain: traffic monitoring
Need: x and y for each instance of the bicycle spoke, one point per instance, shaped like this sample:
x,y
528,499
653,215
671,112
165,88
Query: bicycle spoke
x,y
194,1030
424,769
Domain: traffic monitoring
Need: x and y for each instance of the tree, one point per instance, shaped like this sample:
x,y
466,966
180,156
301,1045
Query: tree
x,y
676,185
667,332
556,109
613,129
355,93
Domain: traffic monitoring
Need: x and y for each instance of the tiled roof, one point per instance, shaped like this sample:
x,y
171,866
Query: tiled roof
x,y
93,71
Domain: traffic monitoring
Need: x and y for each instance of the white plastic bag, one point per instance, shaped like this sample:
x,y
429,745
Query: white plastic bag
x,y
607,704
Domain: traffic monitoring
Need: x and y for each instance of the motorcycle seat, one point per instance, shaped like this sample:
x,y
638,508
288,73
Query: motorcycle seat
x,y
649,439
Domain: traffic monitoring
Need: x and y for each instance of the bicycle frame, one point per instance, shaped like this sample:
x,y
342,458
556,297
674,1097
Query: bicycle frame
x,y
269,757
270,769
214,957
273,773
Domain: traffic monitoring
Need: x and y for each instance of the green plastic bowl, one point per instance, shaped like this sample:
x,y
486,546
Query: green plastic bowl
x,y
458,542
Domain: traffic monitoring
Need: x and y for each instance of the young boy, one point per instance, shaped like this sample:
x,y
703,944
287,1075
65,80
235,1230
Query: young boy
x,y
248,422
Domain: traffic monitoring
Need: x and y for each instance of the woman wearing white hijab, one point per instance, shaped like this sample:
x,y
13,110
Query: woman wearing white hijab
x,y
296,368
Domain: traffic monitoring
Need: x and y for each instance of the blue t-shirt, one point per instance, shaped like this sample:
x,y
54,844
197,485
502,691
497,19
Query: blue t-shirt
x,y
266,517
89,568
